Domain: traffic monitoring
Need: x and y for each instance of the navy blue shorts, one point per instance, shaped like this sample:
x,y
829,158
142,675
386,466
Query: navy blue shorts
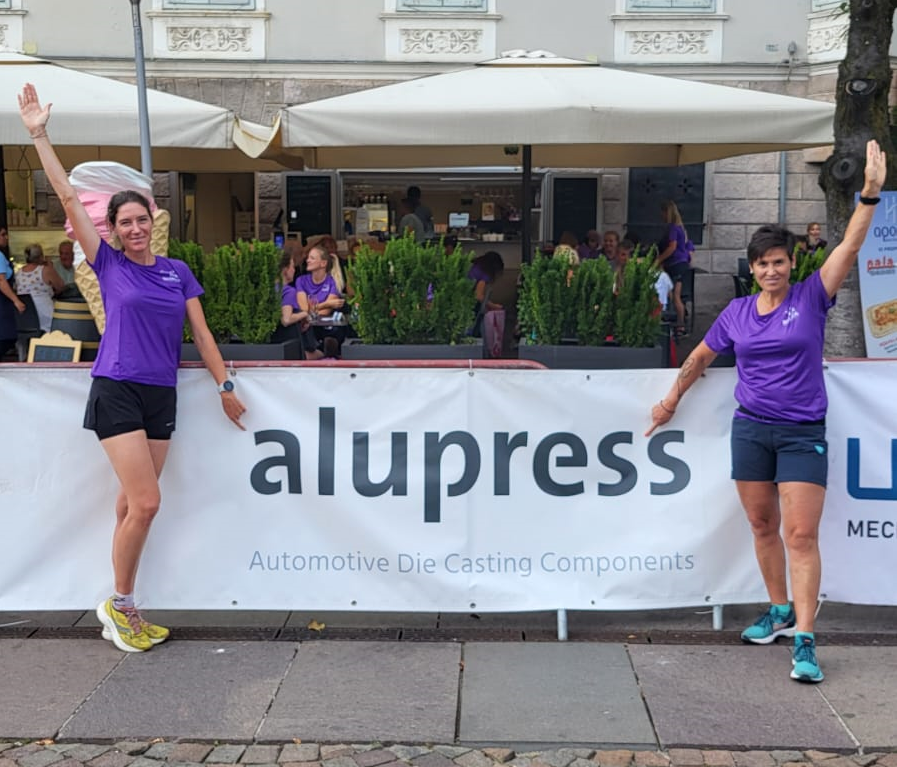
x,y
678,271
779,452
119,407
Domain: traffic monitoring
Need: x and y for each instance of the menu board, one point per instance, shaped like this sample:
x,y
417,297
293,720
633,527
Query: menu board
x,y
575,206
309,204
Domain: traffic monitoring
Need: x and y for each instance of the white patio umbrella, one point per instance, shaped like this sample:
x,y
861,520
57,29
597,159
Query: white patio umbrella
x,y
96,118
571,113
540,110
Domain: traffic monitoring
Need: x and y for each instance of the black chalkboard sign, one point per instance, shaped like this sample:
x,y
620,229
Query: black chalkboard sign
x,y
309,204
574,206
54,347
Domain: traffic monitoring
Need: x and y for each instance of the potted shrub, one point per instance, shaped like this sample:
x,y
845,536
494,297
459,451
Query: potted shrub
x,y
241,300
411,300
579,321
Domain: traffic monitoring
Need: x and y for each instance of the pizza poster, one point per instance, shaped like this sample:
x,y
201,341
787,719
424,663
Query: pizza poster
x,y
877,266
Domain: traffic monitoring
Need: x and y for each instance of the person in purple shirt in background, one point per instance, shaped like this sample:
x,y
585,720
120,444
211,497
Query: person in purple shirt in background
x,y
318,294
133,399
591,248
674,256
483,271
779,452
294,323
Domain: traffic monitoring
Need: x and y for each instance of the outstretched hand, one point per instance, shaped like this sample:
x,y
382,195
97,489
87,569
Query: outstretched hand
x,y
33,114
876,169
233,408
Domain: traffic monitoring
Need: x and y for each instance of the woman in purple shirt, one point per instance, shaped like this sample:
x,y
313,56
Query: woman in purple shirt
x,y
779,460
133,399
318,294
675,257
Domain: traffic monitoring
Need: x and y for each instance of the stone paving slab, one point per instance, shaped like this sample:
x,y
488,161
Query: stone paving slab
x,y
738,697
43,681
526,695
353,692
199,690
861,685
38,619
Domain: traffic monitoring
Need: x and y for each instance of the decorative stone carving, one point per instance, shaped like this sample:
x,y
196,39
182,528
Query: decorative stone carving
x,y
683,42
822,40
441,41
214,39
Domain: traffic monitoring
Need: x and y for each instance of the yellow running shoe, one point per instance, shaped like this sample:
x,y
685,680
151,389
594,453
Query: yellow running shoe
x,y
156,634
124,628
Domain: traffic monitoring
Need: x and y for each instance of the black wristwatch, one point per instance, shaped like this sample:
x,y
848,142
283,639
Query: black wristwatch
x,y
225,386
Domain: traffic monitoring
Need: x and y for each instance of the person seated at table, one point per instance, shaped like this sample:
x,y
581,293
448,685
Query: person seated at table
x,y
39,279
317,293
337,266
609,245
567,248
65,262
294,322
812,241
483,271
591,248
624,252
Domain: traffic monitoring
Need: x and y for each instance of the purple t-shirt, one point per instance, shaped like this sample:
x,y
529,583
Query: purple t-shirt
x,y
288,297
778,355
317,292
145,309
478,274
681,254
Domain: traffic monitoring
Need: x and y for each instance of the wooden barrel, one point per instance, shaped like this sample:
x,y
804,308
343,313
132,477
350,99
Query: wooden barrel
x,y
74,317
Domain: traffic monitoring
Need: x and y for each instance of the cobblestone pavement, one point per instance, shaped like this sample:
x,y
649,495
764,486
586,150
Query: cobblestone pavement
x,y
297,754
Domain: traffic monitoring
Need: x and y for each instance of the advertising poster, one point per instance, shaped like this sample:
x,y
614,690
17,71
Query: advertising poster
x,y
878,280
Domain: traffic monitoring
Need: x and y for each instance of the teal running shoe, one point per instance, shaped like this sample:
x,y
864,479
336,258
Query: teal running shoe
x,y
770,626
806,668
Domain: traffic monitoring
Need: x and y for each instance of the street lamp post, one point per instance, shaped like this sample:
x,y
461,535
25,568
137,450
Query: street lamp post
x,y
146,158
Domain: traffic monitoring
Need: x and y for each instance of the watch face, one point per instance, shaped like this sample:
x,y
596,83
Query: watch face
x,y
227,386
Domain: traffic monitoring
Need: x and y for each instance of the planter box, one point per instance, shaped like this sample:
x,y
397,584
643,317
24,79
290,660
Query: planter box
x,y
595,357
412,351
288,350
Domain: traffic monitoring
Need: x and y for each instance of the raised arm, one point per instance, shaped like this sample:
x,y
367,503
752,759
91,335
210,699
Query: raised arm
x,y
692,369
841,260
35,118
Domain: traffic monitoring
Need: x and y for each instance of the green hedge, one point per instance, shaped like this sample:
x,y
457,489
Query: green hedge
x,y
240,280
559,300
411,293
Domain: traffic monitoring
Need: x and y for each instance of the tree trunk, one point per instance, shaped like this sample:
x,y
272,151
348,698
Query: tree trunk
x,y
861,113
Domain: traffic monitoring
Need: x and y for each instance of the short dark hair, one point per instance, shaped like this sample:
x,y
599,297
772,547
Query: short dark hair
x,y
768,237
121,198
413,192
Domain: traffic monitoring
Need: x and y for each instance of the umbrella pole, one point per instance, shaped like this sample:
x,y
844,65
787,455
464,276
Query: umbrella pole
x,y
526,229
146,158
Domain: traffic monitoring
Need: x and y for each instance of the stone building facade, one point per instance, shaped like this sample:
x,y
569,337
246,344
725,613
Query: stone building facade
x,y
256,56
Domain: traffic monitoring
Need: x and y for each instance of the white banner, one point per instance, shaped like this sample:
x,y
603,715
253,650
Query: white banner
x,y
877,266
426,490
